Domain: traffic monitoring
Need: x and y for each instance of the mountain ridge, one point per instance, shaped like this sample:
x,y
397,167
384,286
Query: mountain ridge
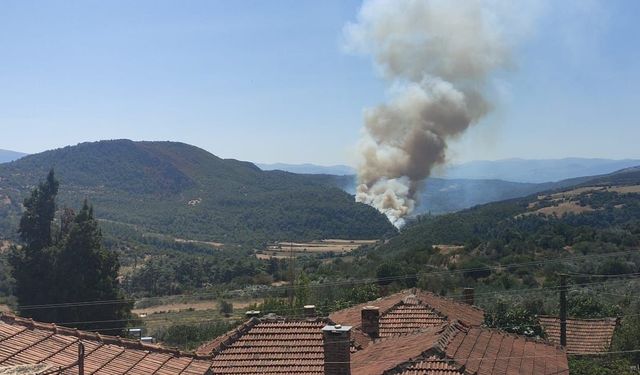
x,y
8,155
186,192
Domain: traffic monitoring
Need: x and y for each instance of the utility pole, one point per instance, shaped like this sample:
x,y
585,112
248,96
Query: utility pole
x,y
292,274
563,310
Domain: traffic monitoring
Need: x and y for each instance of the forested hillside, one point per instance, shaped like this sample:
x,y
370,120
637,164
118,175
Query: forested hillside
x,y
591,228
183,191
439,195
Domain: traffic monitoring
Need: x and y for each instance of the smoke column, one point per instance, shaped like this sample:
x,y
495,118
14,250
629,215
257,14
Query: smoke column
x,y
437,57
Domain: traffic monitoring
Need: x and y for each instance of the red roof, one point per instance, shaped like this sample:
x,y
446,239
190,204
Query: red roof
x,y
408,316
264,346
456,347
452,309
584,336
25,342
432,366
408,311
352,315
385,354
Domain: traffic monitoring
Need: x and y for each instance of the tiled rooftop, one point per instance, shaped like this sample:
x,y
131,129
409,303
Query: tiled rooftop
x,y
583,335
352,315
489,351
452,309
420,335
386,354
264,346
477,350
434,306
407,317
24,342
432,366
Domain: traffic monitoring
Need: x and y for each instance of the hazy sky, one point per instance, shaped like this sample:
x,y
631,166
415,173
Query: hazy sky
x,y
269,81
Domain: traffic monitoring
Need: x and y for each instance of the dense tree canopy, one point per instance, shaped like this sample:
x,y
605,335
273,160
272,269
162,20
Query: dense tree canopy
x,y
70,279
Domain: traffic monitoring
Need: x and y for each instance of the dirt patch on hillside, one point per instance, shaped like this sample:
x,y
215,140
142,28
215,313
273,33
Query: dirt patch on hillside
x,y
563,209
282,250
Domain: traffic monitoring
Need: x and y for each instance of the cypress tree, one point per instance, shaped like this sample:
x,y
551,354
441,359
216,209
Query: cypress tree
x,y
73,270
33,264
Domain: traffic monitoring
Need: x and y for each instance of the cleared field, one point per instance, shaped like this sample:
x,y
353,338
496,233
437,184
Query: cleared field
x,y
564,208
216,245
567,201
192,306
285,249
157,318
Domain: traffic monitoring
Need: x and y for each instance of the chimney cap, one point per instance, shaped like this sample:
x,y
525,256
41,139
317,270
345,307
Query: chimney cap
x,y
309,306
337,328
371,308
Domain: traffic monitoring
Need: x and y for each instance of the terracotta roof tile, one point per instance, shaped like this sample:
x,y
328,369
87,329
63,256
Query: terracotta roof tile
x,y
583,335
480,351
432,366
429,310
452,309
387,354
24,342
272,347
352,315
408,317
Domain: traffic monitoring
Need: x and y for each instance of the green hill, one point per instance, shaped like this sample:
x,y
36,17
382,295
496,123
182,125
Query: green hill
x,y
183,191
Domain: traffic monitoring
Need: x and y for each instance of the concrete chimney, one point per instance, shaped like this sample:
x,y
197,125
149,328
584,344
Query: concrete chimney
x,y
310,311
252,314
468,296
371,321
337,349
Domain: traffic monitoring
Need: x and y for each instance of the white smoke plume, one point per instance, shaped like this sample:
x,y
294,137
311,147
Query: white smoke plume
x,y
437,56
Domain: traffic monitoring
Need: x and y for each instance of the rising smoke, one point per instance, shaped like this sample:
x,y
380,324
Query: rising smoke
x,y
437,57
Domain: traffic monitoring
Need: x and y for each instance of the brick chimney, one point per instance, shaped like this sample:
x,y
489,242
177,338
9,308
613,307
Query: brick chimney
x,y
310,311
371,321
337,350
468,296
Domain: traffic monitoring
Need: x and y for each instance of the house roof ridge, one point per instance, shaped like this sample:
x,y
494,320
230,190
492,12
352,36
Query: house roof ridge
x,y
448,332
232,336
421,291
437,352
29,323
608,318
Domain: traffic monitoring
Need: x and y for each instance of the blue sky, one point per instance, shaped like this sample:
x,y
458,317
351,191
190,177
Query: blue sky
x,y
268,81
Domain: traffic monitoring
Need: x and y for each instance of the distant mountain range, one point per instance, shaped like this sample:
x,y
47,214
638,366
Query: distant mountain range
x,y
8,155
338,170
183,191
536,171
513,170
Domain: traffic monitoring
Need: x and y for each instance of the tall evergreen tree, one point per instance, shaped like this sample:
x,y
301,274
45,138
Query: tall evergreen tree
x,y
86,271
33,264
73,270
40,209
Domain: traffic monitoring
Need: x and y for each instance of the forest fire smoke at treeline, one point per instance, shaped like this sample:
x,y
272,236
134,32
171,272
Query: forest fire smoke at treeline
x,y
437,57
